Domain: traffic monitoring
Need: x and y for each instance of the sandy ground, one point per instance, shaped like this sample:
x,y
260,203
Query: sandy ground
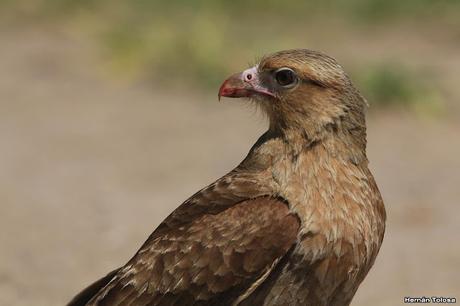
x,y
89,167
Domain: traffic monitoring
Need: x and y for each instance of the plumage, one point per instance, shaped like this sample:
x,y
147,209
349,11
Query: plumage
x,y
299,222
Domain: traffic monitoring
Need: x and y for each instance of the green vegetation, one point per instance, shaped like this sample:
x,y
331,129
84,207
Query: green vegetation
x,y
199,41
392,86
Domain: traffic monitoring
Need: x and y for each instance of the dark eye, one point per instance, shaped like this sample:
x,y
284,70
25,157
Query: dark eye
x,y
285,77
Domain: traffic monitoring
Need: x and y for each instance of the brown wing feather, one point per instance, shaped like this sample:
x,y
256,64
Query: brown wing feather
x,y
210,260
86,294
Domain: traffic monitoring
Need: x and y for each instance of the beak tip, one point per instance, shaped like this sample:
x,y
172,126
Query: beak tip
x,y
223,90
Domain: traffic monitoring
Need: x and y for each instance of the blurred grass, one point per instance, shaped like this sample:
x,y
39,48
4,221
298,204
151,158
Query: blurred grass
x,y
391,85
198,42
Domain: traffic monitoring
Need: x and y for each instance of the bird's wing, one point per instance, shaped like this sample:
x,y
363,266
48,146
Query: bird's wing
x,y
212,258
88,293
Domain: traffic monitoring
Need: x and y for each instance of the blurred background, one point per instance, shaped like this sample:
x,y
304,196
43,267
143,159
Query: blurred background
x,y
109,119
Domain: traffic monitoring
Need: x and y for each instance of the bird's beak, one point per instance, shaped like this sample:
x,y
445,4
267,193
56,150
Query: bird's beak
x,y
243,85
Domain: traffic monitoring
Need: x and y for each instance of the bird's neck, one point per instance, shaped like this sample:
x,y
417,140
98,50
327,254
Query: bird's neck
x,y
336,139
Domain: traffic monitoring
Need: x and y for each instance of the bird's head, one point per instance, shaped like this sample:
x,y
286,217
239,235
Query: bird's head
x,y
301,90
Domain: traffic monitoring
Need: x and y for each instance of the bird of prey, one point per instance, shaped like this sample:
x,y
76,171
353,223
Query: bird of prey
x,y
298,222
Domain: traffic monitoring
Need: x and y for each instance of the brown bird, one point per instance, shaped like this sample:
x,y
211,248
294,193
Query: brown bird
x,y
299,222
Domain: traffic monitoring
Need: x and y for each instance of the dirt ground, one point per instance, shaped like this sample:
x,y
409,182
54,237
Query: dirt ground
x,y
90,166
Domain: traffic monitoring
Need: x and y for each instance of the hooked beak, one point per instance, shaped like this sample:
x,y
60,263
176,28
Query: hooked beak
x,y
244,85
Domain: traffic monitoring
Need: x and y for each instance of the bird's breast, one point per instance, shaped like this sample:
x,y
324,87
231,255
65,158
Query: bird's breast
x,y
341,213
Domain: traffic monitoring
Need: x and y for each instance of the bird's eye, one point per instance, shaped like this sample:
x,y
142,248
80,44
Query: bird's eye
x,y
285,77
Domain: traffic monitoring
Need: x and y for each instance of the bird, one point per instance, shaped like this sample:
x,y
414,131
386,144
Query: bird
x,y
299,221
